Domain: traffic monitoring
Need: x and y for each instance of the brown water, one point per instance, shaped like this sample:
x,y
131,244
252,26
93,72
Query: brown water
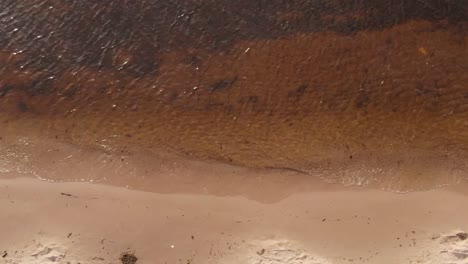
x,y
386,107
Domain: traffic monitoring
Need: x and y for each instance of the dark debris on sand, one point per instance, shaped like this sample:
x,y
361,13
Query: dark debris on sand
x,y
128,258
462,235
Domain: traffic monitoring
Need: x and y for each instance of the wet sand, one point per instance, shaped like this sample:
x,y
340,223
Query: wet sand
x,y
45,222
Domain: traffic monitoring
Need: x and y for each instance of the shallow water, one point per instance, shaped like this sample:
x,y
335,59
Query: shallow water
x,y
383,106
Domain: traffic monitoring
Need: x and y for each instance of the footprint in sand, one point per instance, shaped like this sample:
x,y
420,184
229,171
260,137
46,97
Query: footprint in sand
x,y
449,248
48,254
40,254
454,247
274,252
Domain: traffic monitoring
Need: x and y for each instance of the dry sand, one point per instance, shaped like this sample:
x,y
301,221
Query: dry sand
x,y
45,222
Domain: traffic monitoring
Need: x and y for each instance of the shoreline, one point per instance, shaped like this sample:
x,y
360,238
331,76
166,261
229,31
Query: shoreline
x,y
35,154
233,132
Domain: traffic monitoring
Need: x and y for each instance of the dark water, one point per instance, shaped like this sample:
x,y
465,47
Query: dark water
x,y
363,92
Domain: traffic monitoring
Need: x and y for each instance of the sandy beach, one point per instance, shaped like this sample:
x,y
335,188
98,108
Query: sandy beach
x,y
44,222
63,203
66,203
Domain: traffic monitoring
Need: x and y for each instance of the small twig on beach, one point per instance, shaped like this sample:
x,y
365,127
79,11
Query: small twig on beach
x,y
69,195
